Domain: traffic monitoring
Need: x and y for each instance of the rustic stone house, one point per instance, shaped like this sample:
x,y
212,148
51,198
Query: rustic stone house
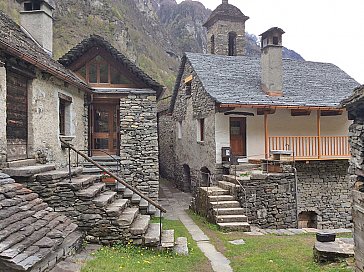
x,y
355,107
225,103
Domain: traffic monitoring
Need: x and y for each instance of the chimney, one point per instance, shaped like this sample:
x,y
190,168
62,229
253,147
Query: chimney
x,y
36,18
225,1
271,61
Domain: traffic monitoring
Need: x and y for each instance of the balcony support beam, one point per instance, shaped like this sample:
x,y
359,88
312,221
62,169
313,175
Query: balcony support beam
x,y
319,134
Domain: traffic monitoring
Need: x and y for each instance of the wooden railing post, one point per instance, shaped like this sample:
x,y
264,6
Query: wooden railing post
x,y
319,134
266,135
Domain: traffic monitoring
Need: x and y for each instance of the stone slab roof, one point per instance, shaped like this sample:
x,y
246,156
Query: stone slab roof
x,y
237,80
15,42
123,91
29,229
94,41
226,12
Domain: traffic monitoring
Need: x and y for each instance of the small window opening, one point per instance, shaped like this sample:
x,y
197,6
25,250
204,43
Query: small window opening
x,y
179,130
213,44
64,114
232,44
307,220
206,176
201,130
28,7
275,41
188,88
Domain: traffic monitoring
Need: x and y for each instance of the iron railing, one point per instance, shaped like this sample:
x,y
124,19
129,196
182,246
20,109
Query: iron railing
x,y
117,178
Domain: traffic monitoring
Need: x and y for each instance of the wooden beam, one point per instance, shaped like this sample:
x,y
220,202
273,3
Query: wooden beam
x,y
266,136
319,133
266,111
300,112
188,79
331,112
256,106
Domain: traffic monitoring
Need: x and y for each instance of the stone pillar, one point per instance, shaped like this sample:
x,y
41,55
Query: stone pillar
x,y
3,114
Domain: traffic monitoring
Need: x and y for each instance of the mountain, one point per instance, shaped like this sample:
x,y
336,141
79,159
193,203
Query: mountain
x,y
153,33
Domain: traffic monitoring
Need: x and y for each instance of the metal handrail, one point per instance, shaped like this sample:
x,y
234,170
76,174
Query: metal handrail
x,y
139,193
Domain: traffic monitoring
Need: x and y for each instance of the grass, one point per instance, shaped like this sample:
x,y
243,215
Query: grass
x,y
269,252
134,259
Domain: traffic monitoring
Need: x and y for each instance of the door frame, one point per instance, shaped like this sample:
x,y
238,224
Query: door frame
x,y
113,107
243,134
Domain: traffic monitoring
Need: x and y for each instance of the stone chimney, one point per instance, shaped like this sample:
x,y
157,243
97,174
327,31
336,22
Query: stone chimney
x,y
36,18
225,1
271,61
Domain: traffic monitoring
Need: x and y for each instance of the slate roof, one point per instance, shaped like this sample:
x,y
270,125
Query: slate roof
x,y
29,230
226,12
16,43
237,80
95,40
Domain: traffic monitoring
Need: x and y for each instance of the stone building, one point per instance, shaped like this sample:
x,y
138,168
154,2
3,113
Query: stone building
x,y
355,107
227,104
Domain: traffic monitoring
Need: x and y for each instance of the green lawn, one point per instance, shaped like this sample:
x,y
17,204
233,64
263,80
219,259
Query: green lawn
x,y
269,252
134,259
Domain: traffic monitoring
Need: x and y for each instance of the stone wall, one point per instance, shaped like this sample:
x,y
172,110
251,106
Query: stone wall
x,y
324,187
167,140
44,142
2,115
221,30
270,200
139,142
358,218
190,153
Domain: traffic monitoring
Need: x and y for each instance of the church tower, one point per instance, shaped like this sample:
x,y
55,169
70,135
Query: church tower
x,y
226,30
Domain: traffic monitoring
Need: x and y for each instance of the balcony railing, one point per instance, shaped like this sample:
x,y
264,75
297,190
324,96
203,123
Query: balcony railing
x,y
312,147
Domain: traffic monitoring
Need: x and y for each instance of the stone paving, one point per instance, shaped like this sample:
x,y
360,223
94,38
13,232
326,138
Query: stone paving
x,y
288,232
176,202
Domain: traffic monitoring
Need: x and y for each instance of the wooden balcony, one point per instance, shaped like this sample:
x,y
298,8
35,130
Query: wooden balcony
x,y
312,147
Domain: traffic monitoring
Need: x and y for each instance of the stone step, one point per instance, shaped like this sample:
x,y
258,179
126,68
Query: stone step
x,y
143,204
127,217
215,190
120,187
221,198
181,246
91,171
91,191
244,167
227,185
234,226
229,211
21,163
102,163
168,238
104,198
140,225
225,204
117,207
28,171
151,237
83,181
58,174
231,218
151,210
105,158
128,193
135,199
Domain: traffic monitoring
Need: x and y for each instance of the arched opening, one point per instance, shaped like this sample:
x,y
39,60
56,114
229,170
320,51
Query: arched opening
x,y
205,176
307,220
232,44
186,178
212,44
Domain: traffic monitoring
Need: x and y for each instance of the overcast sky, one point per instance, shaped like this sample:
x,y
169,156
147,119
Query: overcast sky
x,y
320,30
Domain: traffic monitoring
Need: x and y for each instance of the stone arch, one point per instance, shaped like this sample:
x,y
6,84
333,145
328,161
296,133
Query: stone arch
x,y
307,219
187,178
232,43
205,175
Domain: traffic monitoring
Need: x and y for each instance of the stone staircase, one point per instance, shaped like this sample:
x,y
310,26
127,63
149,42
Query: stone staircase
x,y
111,163
105,216
220,206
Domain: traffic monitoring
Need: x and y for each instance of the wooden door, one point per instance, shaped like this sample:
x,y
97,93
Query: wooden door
x,y
238,136
105,134
16,117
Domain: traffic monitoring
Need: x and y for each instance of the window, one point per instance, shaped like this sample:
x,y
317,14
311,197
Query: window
x,y
99,71
188,84
275,40
64,114
32,5
179,130
201,130
232,44
213,44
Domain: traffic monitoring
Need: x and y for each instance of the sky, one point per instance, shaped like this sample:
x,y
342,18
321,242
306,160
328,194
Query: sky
x,y
320,30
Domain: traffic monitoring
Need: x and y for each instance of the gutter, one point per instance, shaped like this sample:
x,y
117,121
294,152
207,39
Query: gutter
x,y
260,106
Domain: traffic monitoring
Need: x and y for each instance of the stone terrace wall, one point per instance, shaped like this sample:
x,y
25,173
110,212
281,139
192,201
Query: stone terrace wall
x,y
139,142
2,115
270,201
324,187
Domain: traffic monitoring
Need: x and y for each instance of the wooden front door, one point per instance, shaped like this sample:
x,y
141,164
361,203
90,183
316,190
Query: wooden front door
x,y
238,136
105,134
16,117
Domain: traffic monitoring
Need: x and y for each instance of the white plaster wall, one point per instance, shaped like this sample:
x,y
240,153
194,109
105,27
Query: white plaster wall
x,y
279,124
2,115
44,119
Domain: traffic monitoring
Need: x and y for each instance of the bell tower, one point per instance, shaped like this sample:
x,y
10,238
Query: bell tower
x,y
226,31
